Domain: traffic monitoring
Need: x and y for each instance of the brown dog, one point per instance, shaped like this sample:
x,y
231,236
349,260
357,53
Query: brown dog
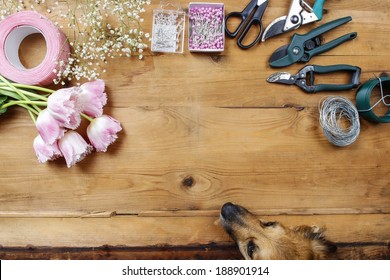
x,y
258,239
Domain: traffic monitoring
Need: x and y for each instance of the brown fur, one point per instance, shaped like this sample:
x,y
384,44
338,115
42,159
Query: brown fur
x,y
260,240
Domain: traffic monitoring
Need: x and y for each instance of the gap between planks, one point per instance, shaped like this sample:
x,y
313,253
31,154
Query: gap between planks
x,y
190,213
285,106
349,251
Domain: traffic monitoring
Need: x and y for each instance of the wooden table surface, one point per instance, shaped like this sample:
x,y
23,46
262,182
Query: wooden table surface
x,y
200,130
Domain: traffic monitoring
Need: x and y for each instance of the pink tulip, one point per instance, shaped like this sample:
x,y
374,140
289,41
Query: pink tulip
x,y
73,148
102,132
45,151
49,129
92,98
63,105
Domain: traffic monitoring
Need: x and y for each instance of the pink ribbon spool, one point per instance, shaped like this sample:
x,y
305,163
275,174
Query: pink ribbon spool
x,y
13,30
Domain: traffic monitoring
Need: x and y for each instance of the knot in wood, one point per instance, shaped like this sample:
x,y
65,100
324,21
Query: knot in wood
x,y
188,181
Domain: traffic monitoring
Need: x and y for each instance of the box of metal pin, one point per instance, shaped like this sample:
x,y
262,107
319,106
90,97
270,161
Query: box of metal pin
x,y
168,29
206,32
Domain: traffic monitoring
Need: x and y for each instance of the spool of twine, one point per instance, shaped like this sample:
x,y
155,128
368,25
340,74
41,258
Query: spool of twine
x,y
339,119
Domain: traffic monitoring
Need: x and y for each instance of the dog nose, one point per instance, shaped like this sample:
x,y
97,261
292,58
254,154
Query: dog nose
x,y
229,210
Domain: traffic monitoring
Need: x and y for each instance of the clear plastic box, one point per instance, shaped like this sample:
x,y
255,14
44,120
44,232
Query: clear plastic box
x,y
168,29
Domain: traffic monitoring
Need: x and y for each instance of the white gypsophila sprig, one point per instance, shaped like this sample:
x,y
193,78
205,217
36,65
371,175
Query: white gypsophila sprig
x,y
9,7
98,30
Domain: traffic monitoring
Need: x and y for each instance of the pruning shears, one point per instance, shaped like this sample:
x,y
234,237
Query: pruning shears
x,y
305,78
303,47
300,13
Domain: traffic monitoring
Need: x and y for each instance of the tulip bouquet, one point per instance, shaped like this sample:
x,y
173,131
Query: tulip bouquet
x,y
57,115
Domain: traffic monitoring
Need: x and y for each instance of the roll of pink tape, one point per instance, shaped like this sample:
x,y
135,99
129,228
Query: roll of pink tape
x,y
13,30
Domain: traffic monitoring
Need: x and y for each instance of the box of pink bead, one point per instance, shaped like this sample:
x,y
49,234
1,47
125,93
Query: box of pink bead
x,y
206,32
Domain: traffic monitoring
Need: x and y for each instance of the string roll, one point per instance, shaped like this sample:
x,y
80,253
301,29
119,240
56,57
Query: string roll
x,y
17,27
332,112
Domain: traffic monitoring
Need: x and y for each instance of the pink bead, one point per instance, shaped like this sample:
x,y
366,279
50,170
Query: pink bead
x,y
207,31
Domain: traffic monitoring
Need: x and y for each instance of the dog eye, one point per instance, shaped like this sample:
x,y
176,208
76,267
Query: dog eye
x,y
269,224
251,249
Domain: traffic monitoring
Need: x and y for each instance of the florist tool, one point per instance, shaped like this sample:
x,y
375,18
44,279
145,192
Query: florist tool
x,y
300,13
206,33
255,8
13,30
168,29
305,78
303,47
333,110
363,100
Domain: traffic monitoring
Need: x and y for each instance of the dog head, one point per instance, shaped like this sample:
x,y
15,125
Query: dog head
x,y
258,239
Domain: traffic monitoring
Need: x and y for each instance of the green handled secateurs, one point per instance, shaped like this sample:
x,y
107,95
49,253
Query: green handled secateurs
x,y
303,47
306,76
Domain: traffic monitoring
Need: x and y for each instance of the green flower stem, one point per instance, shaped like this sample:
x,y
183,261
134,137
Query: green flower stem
x,y
34,88
5,81
25,92
87,117
23,102
18,91
32,116
29,110
22,86
34,95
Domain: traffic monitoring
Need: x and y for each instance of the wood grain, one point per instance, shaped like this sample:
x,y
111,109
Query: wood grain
x,y
200,130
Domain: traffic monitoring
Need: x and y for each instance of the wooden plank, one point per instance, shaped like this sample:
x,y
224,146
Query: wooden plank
x,y
199,158
357,236
134,231
152,80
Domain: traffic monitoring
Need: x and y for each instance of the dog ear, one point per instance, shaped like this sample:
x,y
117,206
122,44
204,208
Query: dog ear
x,y
313,232
318,234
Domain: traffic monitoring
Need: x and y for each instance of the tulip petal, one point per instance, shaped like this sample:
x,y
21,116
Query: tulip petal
x,y
48,127
74,148
44,151
102,132
92,98
64,106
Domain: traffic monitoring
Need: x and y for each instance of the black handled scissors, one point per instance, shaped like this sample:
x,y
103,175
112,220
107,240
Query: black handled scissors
x,y
255,8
